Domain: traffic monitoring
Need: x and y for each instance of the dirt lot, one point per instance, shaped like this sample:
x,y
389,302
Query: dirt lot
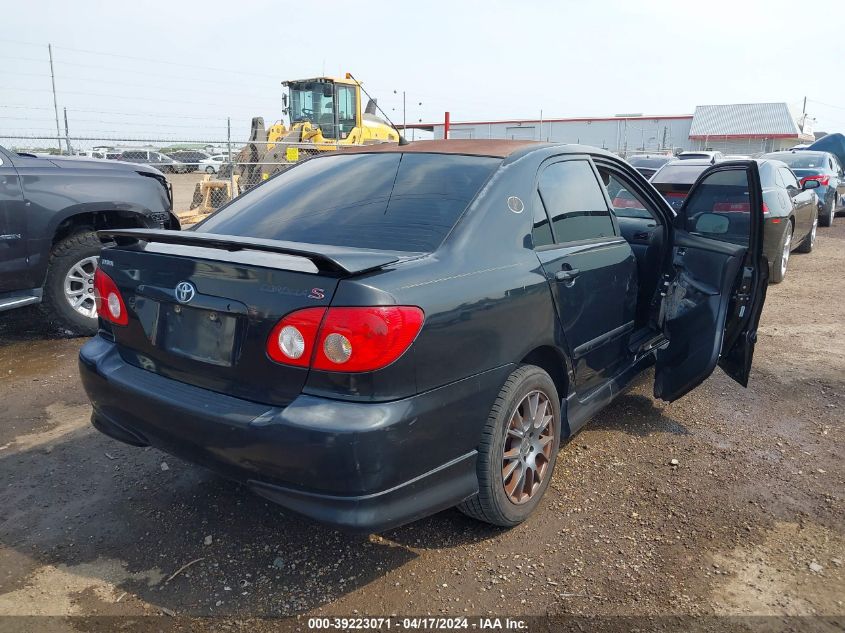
x,y
749,521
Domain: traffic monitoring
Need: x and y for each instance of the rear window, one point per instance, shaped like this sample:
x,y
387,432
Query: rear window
x,y
679,173
647,161
803,160
385,201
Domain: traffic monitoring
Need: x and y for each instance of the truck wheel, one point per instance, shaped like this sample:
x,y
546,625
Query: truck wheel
x,y
68,301
518,450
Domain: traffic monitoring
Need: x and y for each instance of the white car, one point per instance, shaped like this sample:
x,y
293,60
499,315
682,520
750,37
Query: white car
x,y
212,165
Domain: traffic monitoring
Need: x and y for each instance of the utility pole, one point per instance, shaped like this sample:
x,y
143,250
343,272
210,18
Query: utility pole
x,y
232,193
67,135
55,101
804,109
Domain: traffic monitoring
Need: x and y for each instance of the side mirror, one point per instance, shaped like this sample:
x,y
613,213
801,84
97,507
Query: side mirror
x,y
810,184
712,223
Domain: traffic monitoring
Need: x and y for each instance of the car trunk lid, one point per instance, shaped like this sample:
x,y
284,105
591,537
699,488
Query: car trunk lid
x,y
201,307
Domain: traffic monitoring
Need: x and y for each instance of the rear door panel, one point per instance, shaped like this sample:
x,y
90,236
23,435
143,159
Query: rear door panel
x,y
13,230
714,295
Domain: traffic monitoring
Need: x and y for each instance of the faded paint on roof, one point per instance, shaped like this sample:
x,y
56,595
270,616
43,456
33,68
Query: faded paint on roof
x,y
499,148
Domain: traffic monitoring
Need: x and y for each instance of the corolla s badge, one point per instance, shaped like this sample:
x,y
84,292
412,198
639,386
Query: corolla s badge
x,y
185,291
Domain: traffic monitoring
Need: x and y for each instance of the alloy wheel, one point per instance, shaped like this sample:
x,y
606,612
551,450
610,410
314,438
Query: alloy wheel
x,y
79,287
813,231
787,244
527,449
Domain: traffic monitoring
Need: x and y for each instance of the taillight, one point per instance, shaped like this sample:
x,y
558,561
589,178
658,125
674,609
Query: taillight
x,y
824,179
110,305
348,339
292,340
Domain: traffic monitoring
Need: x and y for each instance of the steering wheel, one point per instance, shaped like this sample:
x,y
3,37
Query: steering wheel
x,y
307,114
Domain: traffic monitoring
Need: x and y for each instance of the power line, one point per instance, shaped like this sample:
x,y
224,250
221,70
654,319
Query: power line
x,y
113,96
829,105
142,59
125,83
119,113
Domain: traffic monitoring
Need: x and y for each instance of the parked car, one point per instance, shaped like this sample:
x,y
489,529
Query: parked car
x,y
364,357
151,158
823,167
647,164
190,158
791,211
50,208
712,157
835,144
212,165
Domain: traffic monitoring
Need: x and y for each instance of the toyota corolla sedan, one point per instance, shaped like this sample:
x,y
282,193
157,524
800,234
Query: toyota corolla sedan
x,y
376,335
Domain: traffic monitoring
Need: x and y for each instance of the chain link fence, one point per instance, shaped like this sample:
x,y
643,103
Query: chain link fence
x,y
204,173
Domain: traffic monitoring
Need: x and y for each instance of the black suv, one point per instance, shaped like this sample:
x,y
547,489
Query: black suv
x,y
425,331
50,208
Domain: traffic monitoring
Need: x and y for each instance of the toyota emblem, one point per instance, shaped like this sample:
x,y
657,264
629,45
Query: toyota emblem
x,y
185,291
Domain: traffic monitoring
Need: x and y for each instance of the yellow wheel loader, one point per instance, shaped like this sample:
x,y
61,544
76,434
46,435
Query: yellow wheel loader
x,y
325,115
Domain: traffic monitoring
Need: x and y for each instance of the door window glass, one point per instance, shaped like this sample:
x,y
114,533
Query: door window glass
x,y
788,178
626,204
346,109
541,233
720,207
575,202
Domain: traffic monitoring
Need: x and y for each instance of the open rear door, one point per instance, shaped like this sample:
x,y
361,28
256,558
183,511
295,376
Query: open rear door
x,y
714,294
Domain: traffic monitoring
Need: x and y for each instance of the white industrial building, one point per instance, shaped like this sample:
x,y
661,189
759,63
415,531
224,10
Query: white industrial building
x,y
733,129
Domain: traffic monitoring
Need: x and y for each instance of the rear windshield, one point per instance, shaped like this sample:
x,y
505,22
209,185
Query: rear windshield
x,y
385,201
647,161
678,174
808,160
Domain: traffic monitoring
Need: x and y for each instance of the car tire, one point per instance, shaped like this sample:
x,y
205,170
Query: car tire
x,y
810,241
828,212
779,265
70,277
209,170
501,500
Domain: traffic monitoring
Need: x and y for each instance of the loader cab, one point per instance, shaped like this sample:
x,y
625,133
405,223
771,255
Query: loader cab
x,y
333,105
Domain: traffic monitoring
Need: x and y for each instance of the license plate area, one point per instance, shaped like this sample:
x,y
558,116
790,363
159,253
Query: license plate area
x,y
203,335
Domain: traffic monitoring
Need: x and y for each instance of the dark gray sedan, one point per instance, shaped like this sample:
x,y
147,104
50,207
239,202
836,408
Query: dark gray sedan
x,y
791,211
821,166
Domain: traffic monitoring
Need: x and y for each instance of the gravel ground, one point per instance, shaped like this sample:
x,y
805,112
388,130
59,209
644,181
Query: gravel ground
x,y
748,521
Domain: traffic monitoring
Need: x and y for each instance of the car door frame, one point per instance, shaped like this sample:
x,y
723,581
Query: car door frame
x,y
735,325
575,248
14,235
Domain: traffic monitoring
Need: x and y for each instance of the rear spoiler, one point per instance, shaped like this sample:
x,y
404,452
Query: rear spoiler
x,y
334,259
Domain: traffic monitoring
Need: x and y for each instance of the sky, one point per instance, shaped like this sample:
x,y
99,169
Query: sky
x,y
177,70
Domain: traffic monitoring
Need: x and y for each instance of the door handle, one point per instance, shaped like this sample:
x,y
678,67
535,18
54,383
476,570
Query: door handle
x,y
641,235
567,274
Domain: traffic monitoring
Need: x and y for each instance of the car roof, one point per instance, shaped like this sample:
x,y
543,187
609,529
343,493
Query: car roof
x,y
802,152
498,148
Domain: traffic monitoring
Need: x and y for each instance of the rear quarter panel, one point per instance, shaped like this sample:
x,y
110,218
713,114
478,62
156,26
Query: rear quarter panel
x,y
486,300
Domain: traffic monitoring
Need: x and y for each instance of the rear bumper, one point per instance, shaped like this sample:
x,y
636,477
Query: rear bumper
x,y
363,466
